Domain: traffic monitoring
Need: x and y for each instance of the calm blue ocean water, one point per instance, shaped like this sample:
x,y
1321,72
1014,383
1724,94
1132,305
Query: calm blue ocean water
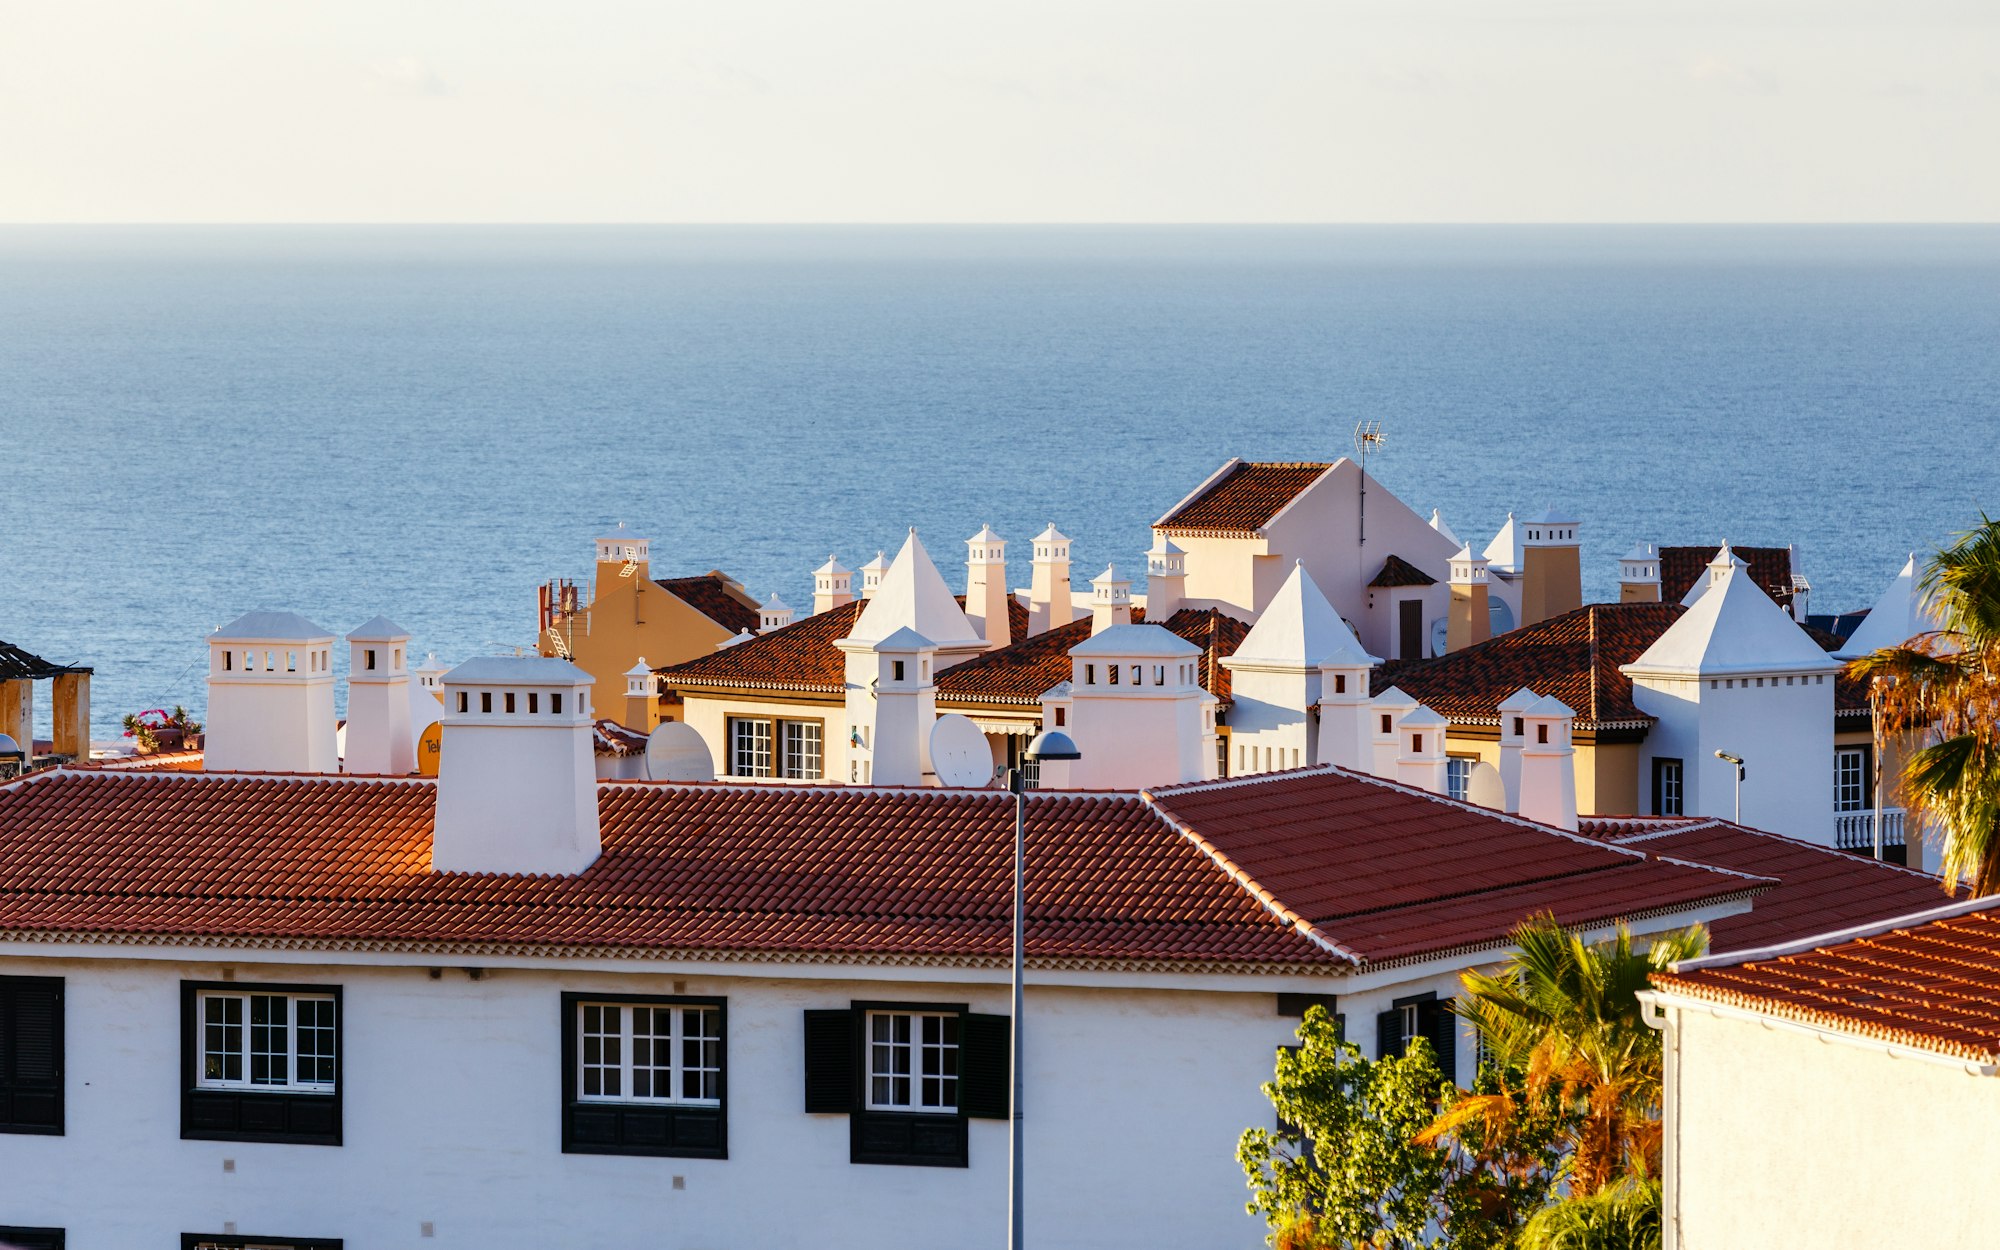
x,y
428,421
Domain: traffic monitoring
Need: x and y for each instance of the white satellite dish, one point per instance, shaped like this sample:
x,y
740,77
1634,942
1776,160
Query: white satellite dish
x,y
959,755
675,752
1485,788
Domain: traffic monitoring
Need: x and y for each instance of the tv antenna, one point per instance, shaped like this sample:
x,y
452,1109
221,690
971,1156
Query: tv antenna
x,y
1368,437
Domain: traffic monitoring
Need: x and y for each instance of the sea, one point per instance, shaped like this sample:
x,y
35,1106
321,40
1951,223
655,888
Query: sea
x,y
427,422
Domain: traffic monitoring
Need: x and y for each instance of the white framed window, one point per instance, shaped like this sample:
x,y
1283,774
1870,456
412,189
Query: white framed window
x,y
649,1052
1458,776
1850,779
273,1042
913,1061
792,749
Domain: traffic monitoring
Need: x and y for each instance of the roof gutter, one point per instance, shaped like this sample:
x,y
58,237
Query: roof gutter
x,y
1655,1003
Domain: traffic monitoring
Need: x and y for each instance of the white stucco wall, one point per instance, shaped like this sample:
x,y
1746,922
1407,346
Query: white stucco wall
x,y
1135,1098
709,717
1784,734
1778,1137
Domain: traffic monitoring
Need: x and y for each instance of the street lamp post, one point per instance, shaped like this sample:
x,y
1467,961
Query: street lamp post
x,y
1050,744
1737,760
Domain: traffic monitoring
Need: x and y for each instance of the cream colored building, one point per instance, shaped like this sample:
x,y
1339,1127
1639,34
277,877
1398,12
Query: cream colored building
x,y
1839,1092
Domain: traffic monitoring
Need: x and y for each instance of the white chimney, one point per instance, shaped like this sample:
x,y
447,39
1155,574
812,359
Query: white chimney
x,y
1639,575
1110,600
775,614
871,574
379,737
1513,729
1345,736
833,586
270,696
986,592
1548,764
517,778
1138,711
1051,602
1166,579
1420,762
1386,710
891,705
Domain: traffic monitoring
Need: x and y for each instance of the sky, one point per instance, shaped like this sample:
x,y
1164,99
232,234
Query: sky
x,y
1018,111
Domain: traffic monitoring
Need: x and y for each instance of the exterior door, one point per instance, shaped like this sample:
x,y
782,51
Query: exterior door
x,y
1410,629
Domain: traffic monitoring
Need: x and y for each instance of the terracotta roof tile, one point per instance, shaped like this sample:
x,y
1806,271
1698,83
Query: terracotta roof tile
x,y
1821,888
1396,571
1391,873
1930,981
716,596
1023,672
1244,499
801,656
1770,568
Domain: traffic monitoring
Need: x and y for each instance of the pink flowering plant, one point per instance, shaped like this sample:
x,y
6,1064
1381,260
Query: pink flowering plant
x,y
158,729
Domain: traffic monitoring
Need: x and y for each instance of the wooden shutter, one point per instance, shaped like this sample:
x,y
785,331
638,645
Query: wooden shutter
x,y
986,1046
31,1046
1440,1027
1388,1034
832,1075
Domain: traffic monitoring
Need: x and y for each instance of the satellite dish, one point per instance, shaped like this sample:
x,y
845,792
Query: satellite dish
x,y
675,752
1440,636
1485,788
959,754
429,748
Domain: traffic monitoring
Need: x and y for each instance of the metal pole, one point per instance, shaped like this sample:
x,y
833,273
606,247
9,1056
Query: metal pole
x,y
1739,794
1017,782
1875,726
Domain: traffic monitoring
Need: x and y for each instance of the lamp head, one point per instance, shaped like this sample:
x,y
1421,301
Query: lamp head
x,y
1052,744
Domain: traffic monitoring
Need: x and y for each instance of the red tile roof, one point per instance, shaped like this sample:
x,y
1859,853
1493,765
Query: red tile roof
x,y
1929,981
612,738
1300,871
801,656
1392,873
1023,672
1770,568
1575,656
1243,499
1396,571
717,596
1820,888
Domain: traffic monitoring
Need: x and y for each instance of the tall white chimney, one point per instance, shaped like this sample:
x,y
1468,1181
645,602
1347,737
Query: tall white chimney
x,y
1346,738
1166,579
775,614
1050,600
1420,762
871,574
1386,710
270,696
891,706
517,780
1513,729
1548,764
986,591
833,586
379,739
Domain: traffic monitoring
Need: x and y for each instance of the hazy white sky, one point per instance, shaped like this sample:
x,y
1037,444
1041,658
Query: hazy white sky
x,y
1028,110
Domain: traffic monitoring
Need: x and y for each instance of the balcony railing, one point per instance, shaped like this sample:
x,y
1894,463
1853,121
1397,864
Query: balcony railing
x,y
1855,831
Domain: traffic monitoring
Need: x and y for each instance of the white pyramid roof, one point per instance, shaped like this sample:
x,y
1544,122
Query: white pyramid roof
x,y
775,604
272,627
1051,535
1504,552
1702,583
879,563
985,535
1110,576
1422,717
913,595
1520,701
1549,705
832,568
1299,627
1437,523
1164,546
1393,698
1151,641
1899,615
1733,628
379,629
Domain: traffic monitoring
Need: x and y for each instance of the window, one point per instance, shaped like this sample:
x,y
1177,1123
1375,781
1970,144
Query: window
x,y
1541,733
1667,790
908,1076
1520,726
1062,717
1090,674
368,659
486,700
31,1055
555,703
1111,673
1138,675
643,1076
1420,1015
230,1241
534,702
509,706
1159,674
897,670
1458,777
912,1061
1851,791
1387,726
1416,744
262,1063
17,1238
1340,683
228,661
792,749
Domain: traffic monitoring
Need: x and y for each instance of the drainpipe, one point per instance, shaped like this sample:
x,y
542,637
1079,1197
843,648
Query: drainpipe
x,y
1655,1017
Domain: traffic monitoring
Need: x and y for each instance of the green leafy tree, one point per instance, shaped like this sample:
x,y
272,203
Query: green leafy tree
x,y
1946,685
1349,1170
1624,1215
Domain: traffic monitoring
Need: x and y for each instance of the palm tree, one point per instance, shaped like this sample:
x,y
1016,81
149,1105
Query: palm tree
x,y
1563,1017
1946,684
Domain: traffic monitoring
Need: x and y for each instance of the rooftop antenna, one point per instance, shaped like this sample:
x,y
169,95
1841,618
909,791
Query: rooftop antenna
x,y
1368,437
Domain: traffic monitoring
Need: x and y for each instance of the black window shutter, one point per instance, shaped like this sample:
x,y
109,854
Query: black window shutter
x,y
31,1238
1293,1006
1340,1027
31,1045
984,1091
1388,1034
1440,1027
832,1072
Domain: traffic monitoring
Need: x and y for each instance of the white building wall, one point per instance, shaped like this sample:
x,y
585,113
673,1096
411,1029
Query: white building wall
x,y
1777,1136
1784,734
452,1094
709,717
1268,713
